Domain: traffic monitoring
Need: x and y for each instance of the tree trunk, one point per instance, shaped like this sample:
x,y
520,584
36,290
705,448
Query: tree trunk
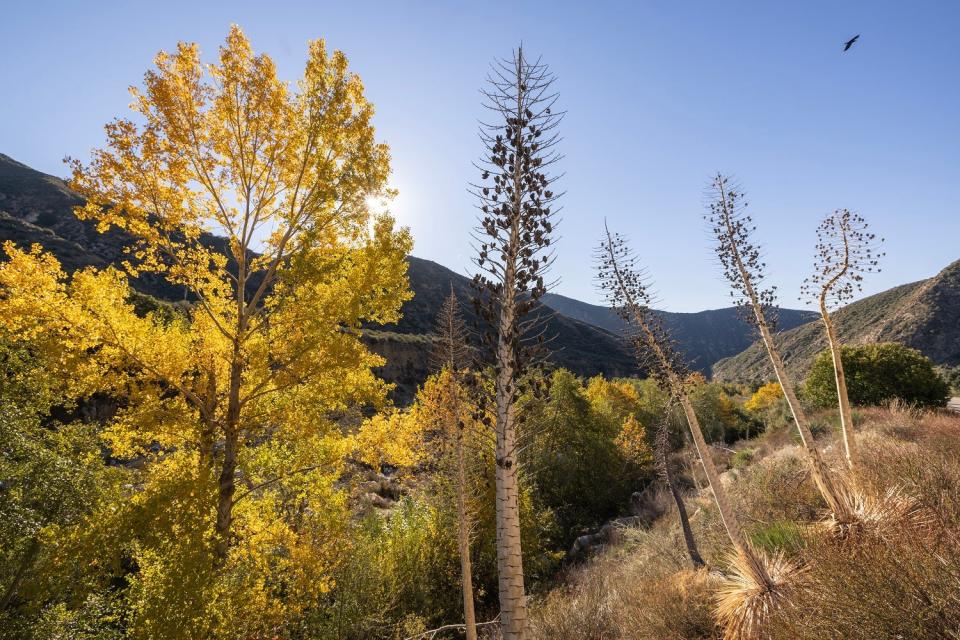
x,y
463,539
846,415
455,426
727,515
688,538
730,521
227,482
225,490
513,603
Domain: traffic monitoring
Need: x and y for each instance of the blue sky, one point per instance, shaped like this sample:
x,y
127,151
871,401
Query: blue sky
x,y
659,95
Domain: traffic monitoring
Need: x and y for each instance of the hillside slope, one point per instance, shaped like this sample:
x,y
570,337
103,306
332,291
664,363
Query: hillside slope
x,y
581,347
38,208
704,337
923,315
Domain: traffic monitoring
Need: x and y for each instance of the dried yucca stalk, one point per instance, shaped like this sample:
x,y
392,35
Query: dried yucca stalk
x,y
846,250
743,266
758,583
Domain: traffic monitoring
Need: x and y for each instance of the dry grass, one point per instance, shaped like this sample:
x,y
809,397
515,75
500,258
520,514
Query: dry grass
x,y
746,602
894,587
644,590
896,574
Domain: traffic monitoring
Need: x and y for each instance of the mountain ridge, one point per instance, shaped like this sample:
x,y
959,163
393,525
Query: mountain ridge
x,y
588,339
924,315
703,337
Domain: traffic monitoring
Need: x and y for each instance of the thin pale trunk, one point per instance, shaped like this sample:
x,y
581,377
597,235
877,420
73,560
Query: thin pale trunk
x,y
833,492
513,605
846,415
463,539
513,602
688,538
730,521
463,517
727,515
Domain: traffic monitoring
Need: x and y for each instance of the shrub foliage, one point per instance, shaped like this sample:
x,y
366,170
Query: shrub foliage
x,y
876,374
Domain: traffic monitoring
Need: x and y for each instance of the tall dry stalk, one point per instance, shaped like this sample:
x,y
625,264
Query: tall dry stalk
x,y
628,293
452,355
744,268
515,196
661,452
845,251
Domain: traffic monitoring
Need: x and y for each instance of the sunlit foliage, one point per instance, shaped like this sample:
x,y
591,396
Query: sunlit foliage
x,y
235,407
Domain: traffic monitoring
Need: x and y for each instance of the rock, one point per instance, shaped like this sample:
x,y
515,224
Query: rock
x,y
646,505
379,501
609,533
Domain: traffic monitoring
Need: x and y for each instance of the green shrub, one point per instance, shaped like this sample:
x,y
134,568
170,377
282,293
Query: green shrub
x,y
398,569
576,468
721,417
876,374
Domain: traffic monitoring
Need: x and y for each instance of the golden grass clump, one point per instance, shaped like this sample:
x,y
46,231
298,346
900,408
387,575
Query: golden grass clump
x,y
745,602
891,512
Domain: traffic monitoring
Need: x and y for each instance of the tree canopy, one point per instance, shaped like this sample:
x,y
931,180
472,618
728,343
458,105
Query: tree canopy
x,y
878,373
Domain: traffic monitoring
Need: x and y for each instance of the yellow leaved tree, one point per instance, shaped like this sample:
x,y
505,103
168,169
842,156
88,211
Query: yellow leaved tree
x,y
764,398
247,377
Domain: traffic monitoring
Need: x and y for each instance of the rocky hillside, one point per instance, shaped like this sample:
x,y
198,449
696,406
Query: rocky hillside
x,y
923,315
703,337
581,347
38,208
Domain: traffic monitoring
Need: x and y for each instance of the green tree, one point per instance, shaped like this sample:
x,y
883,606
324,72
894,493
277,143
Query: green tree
x,y
577,462
720,416
878,373
952,376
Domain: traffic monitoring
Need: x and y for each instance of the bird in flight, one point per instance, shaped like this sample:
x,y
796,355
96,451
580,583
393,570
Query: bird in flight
x,y
849,43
